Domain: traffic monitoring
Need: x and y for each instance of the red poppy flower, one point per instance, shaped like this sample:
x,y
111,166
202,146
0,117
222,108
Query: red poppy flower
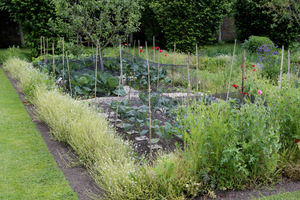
x,y
160,51
254,70
179,176
274,131
157,48
297,141
141,50
253,65
24,101
125,44
241,65
180,156
245,78
166,55
152,47
245,93
234,85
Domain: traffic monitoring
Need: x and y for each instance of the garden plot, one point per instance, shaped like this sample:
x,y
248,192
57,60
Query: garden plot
x,y
132,121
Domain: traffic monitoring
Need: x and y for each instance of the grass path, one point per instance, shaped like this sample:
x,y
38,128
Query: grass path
x,y
27,169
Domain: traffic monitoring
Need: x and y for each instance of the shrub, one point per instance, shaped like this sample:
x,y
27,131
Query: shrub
x,y
225,142
256,41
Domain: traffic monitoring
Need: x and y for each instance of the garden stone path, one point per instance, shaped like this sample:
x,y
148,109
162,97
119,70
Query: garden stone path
x,y
86,188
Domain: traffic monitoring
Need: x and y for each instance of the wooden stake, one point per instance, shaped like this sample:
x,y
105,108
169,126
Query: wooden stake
x,y
154,49
130,81
44,50
280,77
53,59
197,89
149,94
41,47
243,73
96,68
70,86
227,96
289,63
139,47
63,60
121,77
173,64
188,77
47,51
157,85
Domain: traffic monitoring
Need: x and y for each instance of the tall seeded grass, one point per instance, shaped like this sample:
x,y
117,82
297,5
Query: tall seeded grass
x,y
28,77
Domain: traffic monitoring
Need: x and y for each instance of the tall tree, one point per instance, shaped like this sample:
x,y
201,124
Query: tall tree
x,y
284,9
33,16
253,17
188,22
106,20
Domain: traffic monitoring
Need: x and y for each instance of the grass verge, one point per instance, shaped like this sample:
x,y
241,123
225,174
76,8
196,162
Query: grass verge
x,y
27,169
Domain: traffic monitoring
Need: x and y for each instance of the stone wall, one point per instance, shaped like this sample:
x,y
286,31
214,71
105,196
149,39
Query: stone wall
x,y
9,31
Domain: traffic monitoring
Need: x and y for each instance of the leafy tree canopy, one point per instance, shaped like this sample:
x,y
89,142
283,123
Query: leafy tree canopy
x,y
188,22
257,17
106,20
33,16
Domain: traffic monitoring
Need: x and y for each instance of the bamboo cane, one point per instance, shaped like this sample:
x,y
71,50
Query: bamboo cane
x,y
173,64
197,89
154,49
289,63
158,66
243,73
149,94
41,40
70,86
53,59
44,50
63,60
139,47
227,96
188,77
47,51
96,70
120,79
280,77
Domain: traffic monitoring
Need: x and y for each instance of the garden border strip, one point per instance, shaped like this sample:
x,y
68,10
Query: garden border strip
x,y
77,175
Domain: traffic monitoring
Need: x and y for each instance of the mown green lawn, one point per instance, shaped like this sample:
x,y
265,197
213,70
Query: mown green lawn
x,y
27,169
284,196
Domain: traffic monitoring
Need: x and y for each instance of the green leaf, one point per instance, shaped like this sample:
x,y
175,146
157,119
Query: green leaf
x,y
143,132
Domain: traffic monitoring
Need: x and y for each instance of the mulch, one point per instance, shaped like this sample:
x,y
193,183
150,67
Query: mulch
x,y
86,188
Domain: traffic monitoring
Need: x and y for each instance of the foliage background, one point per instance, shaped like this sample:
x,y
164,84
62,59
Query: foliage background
x,y
254,17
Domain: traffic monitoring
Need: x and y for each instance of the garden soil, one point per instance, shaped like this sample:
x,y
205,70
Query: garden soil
x,y
86,188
